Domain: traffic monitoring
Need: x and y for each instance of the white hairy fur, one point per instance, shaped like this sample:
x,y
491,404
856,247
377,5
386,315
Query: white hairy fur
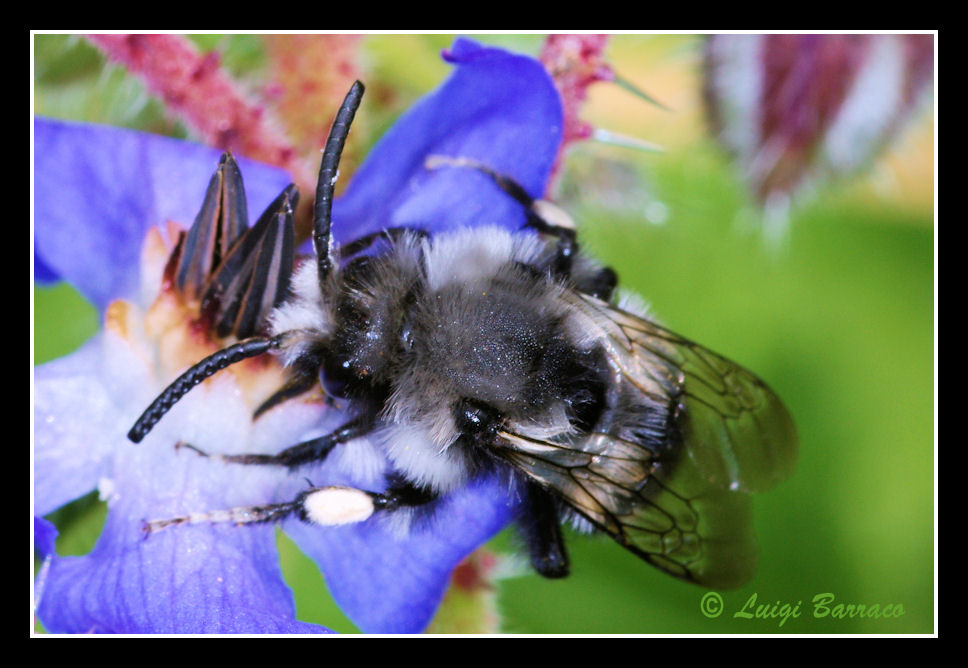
x,y
304,316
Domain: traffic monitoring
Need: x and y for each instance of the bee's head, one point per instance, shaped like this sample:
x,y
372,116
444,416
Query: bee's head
x,y
368,316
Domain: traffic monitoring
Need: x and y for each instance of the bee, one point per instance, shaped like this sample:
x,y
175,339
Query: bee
x,y
483,351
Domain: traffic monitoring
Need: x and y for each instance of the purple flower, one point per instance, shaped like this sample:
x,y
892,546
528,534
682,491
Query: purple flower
x,y
103,198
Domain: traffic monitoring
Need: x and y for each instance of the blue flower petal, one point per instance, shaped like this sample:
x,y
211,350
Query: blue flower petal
x,y
388,583
45,534
43,273
498,108
194,579
216,580
45,537
98,189
73,413
222,580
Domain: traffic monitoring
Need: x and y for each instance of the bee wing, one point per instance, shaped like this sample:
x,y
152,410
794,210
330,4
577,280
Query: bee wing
x,y
662,512
678,498
735,430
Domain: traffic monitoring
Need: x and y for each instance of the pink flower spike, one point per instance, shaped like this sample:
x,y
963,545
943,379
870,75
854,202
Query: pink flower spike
x,y
311,74
575,62
197,89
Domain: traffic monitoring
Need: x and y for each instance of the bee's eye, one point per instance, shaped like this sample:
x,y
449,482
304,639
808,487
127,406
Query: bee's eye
x,y
473,417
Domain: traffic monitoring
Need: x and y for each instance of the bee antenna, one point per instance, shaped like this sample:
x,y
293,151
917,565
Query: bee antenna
x,y
185,382
326,184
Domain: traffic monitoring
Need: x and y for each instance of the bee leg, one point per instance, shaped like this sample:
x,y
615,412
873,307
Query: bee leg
x,y
313,450
304,378
402,494
599,284
548,218
323,506
293,388
240,515
541,526
333,506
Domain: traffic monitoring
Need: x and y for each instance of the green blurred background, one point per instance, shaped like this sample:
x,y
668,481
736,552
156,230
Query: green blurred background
x,y
838,317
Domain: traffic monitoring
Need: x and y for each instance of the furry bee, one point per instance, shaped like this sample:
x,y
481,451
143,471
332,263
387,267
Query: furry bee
x,y
481,350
